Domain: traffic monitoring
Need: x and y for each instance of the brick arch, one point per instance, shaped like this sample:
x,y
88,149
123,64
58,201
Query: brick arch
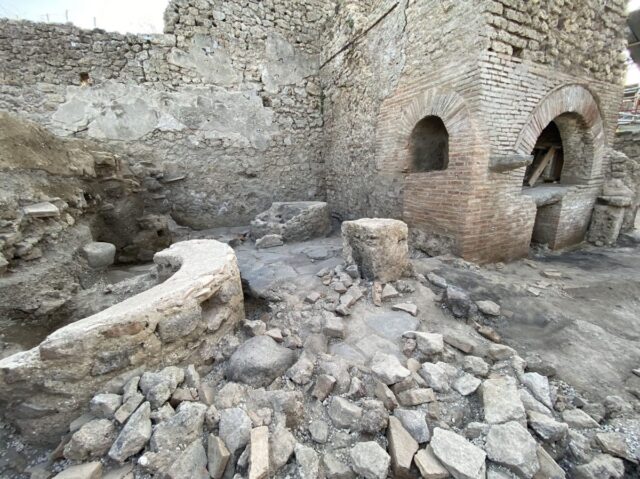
x,y
575,99
392,146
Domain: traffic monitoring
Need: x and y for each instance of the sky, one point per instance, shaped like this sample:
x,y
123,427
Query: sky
x,y
132,16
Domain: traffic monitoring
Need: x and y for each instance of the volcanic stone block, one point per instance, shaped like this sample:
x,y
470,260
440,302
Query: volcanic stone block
x,y
99,255
378,246
606,223
293,221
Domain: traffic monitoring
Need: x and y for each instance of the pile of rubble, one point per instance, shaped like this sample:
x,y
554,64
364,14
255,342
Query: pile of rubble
x,y
279,402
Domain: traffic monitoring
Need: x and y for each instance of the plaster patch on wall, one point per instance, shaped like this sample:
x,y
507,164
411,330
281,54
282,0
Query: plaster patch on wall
x,y
117,111
284,65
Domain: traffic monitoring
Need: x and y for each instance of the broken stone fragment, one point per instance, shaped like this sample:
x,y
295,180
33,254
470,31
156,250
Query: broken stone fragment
x,y
269,241
415,423
384,394
335,468
547,428
389,292
402,448
601,466
258,361
41,210
549,469
99,254
415,397
410,308
259,456
333,327
388,369
324,386
512,446
429,465
539,387
370,460
488,307
458,302
466,384
128,407
308,462
235,428
134,435
475,365
302,370
345,414
158,387
375,416
461,458
319,431
377,246
614,443
92,440
461,342
91,470
435,376
428,343
180,429
578,419
191,463
281,446
313,297
501,401
105,405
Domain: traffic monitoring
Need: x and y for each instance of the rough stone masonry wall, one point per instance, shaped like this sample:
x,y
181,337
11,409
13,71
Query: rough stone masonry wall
x,y
626,167
219,117
179,321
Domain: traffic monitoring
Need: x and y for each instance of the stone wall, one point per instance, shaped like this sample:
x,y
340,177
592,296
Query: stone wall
x,y
221,116
625,165
179,321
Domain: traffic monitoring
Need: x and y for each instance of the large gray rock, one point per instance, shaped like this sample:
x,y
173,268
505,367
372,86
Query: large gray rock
x,y
429,465
539,387
461,458
281,446
602,466
235,428
308,462
388,369
92,440
105,405
414,421
435,376
182,428
134,435
377,246
158,387
218,456
99,254
429,343
512,446
190,463
258,361
294,221
578,419
547,428
345,414
402,447
370,460
501,401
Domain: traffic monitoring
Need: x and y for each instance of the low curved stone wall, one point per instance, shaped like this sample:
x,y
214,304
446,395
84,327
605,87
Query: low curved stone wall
x,y
177,322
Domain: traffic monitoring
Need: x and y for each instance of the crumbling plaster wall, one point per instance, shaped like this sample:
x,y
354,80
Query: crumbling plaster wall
x,y
220,116
469,54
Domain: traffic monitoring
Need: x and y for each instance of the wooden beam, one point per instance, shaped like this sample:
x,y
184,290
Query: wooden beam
x,y
535,174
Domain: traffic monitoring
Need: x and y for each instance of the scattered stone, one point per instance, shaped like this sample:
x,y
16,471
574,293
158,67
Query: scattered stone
x,y
549,469
410,308
181,429
415,397
90,470
402,447
376,293
41,210
334,327
463,343
92,440
377,246
458,301
319,431
532,404
501,401
293,220
218,456
512,446
547,428
488,307
435,377
324,386
429,343
339,287
474,430
158,387
269,241
134,435
258,361
429,465
466,384
255,327
388,369
489,333
475,365
370,460
436,280
500,352
389,292
191,463
539,387
235,428
302,370
275,334
578,419
259,460
602,466
191,377
336,469
99,255
374,416
313,297
105,405
415,423
308,462
614,443
384,394
461,458
345,414
281,446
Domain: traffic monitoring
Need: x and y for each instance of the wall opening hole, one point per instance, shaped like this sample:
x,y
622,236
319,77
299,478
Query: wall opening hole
x,y
548,158
429,145
85,79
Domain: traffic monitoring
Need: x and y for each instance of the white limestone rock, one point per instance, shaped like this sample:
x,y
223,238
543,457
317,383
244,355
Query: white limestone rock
x,y
370,460
461,458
